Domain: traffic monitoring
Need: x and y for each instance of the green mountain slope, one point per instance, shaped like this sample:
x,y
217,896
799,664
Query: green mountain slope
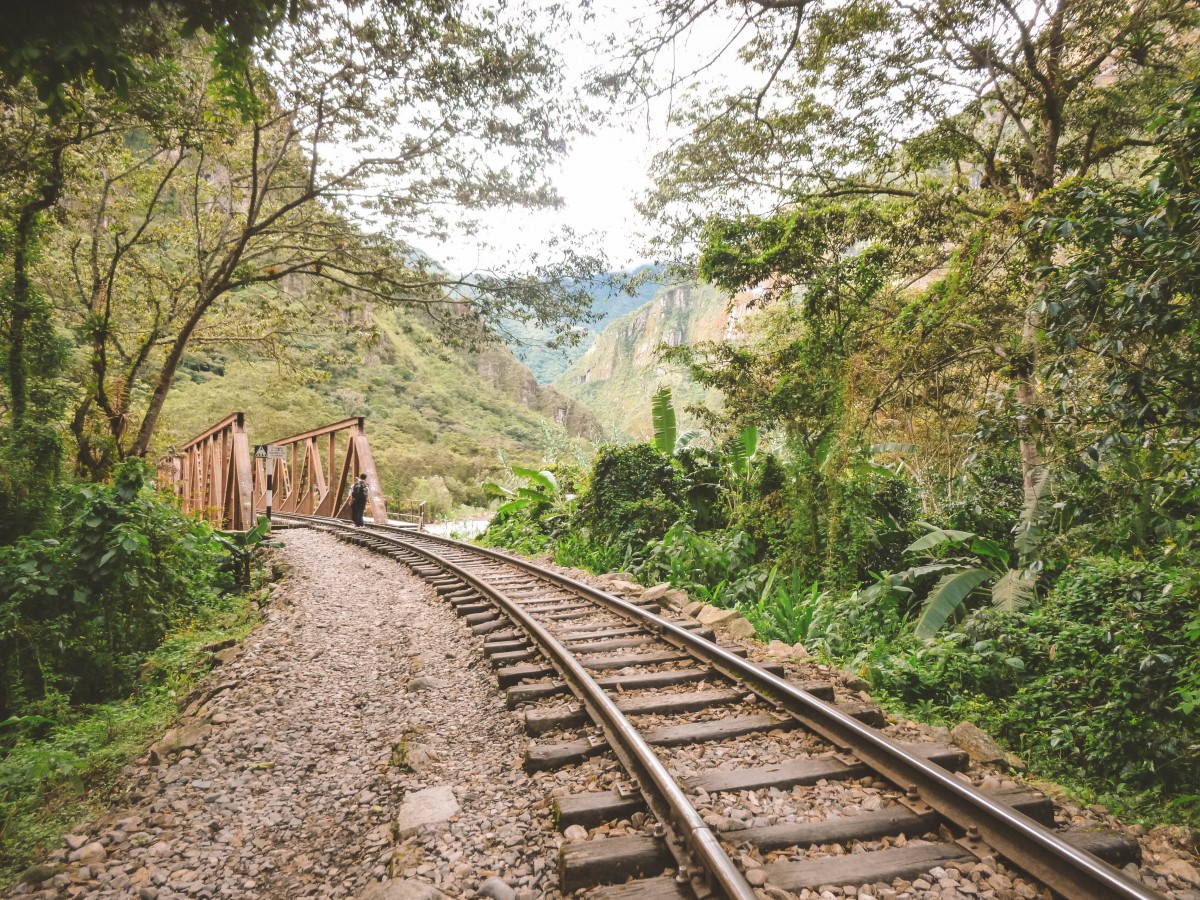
x,y
529,343
619,373
437,418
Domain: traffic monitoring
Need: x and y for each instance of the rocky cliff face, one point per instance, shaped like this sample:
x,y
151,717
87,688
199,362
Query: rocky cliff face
x,y
498,368
620,372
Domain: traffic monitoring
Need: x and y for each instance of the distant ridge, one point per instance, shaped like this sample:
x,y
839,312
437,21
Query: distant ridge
x,y
528,343
619,373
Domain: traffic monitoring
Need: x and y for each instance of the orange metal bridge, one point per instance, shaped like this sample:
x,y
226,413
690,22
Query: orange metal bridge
x,y
216,476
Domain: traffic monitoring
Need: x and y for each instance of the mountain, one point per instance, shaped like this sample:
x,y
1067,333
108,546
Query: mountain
x,y
620,372
529,343
438,419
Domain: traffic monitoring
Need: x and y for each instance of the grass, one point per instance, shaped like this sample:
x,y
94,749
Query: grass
x,y
51,785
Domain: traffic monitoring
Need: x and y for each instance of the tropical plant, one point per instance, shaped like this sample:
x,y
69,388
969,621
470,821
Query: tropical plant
x,y
540,495
667,439
982,561
662,412
785,608
240,547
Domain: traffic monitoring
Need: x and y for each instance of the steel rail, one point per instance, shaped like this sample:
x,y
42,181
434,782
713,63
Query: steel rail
x,y
1072,873
666,799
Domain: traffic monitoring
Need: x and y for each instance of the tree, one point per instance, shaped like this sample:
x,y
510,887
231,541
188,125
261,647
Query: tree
x,y
228,219
971,109
59,45
1123,298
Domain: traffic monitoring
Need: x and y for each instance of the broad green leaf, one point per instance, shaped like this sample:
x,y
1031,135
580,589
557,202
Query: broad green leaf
x,y
513,506
495,489
937,537
662,412
983,547
946,597
535,477
1013,590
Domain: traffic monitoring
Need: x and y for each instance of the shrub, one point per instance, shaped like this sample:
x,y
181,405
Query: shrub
x,y
1096,680
81,603
1109,652
635,495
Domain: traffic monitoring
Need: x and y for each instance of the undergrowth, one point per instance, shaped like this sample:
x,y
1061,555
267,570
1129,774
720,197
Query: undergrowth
x,y
59,773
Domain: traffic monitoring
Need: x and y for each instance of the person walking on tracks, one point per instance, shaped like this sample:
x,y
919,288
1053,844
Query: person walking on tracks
x,y
358,499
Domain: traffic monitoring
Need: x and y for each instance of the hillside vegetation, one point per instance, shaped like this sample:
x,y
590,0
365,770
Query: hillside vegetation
x,y
614,295
621,371
440,420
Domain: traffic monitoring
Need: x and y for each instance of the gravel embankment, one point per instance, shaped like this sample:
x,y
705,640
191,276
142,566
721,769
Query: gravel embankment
x,y
364,710
360,690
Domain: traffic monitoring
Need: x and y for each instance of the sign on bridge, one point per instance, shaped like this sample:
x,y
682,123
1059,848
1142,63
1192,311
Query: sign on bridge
x,y
269,451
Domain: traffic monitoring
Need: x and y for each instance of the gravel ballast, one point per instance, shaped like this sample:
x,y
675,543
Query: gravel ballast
x,y
361,690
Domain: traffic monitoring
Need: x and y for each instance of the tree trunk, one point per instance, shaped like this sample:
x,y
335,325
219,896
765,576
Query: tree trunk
x,y
22,301
166,375
24,304
1026,397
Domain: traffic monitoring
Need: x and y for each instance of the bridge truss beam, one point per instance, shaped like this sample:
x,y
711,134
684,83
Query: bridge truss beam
x,y
310,480
212,476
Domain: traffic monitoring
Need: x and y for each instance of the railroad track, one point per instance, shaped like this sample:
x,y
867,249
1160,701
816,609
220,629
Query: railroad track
x,y
583,666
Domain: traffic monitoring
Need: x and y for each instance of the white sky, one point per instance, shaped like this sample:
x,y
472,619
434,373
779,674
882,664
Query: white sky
x,y
604,172
598,180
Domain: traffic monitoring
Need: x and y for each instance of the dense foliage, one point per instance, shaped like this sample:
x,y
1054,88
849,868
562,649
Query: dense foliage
x,y
979,481
83,600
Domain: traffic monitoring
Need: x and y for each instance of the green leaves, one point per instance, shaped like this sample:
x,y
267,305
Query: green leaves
x,y
79,609
662,413
742,450
946,597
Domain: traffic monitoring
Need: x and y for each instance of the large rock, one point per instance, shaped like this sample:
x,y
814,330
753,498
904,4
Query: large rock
x,y
740,628
625,587
185,737
401,889
694,609
226,656
431,806
854,683
497,889
657,592
978,743
617,576
677,599
92,853
39,873
778,650
714,615
424,683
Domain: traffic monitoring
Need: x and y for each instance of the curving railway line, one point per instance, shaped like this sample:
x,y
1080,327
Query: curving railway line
x,y
592,673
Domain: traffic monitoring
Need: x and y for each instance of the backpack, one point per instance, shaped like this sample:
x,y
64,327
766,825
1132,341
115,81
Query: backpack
x,y
359,491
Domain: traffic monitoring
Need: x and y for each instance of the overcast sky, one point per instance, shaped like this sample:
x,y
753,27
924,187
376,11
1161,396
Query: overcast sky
x,y
606,171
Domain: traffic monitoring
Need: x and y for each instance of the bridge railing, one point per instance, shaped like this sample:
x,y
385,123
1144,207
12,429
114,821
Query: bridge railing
x,y
212,476
318,469
411,511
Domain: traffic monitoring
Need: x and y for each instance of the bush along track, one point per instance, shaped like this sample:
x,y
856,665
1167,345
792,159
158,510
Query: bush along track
x,y
1025,612
110,620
